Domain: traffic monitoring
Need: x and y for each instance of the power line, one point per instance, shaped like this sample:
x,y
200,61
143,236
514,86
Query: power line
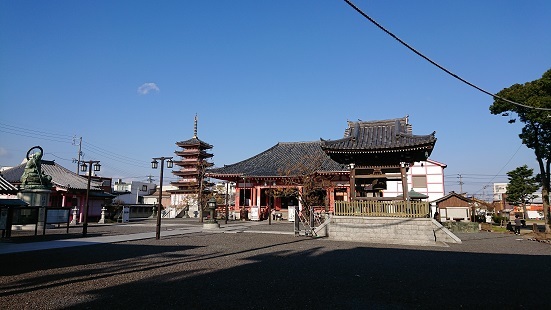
x,y
436,64
501,168
54,155
32,131
23,132
113,156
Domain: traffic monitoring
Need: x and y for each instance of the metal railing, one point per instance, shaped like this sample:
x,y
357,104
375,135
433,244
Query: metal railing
x,y
382,208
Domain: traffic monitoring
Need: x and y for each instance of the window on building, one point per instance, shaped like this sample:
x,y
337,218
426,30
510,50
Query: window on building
x,y
419,181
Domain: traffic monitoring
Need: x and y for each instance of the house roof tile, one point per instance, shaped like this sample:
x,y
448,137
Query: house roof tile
x,y
61,177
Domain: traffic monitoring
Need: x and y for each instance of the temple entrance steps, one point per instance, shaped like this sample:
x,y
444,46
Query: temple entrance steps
x,y
390,230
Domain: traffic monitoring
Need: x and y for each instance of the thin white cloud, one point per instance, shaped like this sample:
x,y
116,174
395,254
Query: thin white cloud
x,y
146,88
3,152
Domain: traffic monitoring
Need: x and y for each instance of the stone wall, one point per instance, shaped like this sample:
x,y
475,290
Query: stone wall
x,y
466,227
389,230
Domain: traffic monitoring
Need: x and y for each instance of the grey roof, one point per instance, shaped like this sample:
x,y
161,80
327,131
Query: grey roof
x,y
415,195
379,135
61,177
450,195
279,160
194,141
6,187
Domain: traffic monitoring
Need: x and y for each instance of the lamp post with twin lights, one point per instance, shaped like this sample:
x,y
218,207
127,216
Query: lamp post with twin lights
x,y
154,165
87,166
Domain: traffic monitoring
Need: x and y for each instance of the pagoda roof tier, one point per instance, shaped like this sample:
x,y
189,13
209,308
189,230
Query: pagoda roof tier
x,y
185,173
191,163
192,153
283,159
185,184
184,191
383,142
194,142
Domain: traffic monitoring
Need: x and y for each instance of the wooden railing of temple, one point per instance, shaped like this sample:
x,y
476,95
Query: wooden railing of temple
x,y
382,208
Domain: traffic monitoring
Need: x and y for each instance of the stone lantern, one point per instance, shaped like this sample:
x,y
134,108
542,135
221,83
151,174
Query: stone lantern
x,y
211,223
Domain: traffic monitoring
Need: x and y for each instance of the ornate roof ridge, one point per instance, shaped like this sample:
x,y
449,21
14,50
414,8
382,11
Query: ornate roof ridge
x,y
390,121
299,142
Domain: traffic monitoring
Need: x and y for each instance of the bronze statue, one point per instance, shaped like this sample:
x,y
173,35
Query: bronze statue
x,y
33,176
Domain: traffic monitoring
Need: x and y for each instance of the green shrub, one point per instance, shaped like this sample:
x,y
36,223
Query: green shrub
x,y
498,218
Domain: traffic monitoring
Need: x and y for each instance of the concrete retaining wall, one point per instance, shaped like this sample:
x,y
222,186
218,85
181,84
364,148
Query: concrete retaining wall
x,y
389,230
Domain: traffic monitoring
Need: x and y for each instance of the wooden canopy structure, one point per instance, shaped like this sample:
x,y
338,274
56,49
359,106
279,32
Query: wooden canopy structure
x,y
377,152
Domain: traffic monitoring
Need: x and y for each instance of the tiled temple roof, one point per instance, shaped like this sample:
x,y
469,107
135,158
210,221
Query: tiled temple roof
x,y
6,187
379,135
278,159
61,177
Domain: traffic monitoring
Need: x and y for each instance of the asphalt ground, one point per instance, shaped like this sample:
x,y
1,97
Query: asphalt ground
x,y
260,266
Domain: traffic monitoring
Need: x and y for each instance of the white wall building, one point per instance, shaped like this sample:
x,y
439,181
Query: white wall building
x,y
133,192
425,177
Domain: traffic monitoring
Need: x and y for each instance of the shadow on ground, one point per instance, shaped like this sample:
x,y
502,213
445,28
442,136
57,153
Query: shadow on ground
x,y
287,273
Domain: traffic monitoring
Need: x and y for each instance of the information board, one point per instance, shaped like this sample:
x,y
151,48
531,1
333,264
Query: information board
x,y
57,216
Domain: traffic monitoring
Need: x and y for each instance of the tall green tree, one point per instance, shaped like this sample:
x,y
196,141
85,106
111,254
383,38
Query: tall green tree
x,y
534,111
522,186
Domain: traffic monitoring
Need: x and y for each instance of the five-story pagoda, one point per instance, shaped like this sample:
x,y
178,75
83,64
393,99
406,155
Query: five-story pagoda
x,y
193,163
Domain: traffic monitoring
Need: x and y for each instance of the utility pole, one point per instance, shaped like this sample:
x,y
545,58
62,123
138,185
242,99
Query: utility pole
x,y
79,153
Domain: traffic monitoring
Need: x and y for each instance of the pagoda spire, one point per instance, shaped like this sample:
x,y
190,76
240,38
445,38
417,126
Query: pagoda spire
x,y
195,127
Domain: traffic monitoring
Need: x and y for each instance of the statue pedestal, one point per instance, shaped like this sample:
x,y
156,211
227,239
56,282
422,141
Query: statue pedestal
x,y
35,197
211,225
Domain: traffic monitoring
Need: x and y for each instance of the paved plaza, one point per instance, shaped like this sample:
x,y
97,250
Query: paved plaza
x,y
253,265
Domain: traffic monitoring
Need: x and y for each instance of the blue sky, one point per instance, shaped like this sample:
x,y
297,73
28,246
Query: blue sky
x,y
261,72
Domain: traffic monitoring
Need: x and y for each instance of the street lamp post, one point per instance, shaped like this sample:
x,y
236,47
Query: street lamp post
x,y
226,201
87,166
154,165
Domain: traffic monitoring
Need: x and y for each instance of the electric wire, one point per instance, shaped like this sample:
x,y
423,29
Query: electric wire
x,y
489,182
23,132
116,157
33,131
54,155
436,64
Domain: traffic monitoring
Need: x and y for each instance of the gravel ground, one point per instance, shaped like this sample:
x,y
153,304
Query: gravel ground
x,y
271,270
